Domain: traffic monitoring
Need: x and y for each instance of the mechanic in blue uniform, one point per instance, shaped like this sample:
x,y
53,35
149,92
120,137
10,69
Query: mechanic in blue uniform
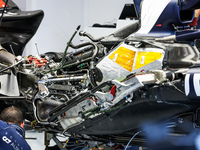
x,y
195,22
11,130
196,25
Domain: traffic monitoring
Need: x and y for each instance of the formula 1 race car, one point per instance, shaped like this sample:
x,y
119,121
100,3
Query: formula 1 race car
x,y
115,87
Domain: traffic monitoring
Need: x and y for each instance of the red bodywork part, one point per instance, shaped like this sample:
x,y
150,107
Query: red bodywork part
x,y
113,91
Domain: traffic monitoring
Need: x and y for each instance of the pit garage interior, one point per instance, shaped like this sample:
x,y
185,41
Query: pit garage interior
x,y
168,92
61,18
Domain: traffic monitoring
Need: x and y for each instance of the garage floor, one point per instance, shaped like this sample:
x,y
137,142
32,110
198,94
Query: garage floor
x,y
35,140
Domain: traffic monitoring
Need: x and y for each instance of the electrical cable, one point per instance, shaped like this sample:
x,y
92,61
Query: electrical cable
x,y
132,139
4,9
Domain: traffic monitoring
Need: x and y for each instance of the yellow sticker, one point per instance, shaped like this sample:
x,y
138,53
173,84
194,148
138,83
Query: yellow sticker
x,y
123,57
144,58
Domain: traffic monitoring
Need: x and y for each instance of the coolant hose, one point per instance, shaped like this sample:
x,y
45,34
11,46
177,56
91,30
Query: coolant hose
x,y
92,66
95,51
80,45
81,33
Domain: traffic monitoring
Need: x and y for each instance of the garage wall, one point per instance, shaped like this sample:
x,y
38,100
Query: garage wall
x,y
21,4
63,16
60,20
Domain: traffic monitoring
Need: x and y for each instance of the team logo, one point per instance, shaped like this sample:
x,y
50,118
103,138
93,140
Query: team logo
x,y
5,139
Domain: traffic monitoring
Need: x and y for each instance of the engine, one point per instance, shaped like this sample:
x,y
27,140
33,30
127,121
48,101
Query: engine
x,y
114,84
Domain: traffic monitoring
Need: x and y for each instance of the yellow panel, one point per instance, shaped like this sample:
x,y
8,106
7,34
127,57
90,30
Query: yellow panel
x,y
123,57
144,58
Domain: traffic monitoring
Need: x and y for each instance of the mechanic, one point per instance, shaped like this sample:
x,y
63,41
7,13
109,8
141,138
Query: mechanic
x,y
11,130
195,20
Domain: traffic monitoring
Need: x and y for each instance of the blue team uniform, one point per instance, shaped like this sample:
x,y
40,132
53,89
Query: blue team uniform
x,y
11,137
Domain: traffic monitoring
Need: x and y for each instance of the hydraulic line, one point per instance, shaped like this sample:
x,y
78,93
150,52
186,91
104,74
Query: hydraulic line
x,y
79,61
68,65
132,139
63,58
73,72
97,110
91,74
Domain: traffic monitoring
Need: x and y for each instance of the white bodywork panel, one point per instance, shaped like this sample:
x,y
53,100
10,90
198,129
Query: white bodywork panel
x,y
9,85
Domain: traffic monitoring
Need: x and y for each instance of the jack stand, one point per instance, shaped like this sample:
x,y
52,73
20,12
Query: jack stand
x,y
70,143
58,143
48,137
